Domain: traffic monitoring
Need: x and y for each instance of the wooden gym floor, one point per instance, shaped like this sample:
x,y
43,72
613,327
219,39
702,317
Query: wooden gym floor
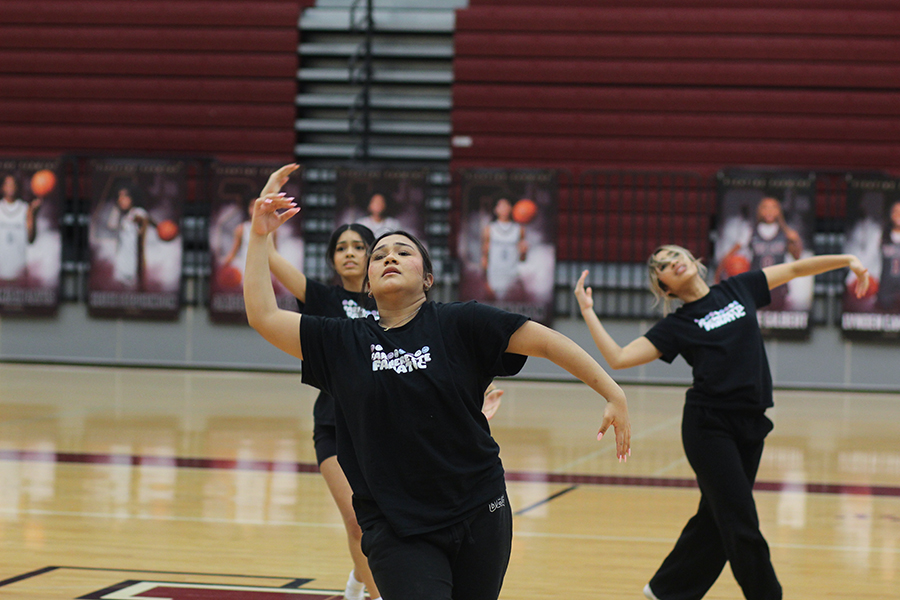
x,y
150,483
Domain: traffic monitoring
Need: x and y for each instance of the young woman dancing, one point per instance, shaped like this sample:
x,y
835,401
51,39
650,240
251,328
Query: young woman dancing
x,y
428,484
347,253
724,422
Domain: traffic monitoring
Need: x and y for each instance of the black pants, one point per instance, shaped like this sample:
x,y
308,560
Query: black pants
x,y
724,449
466,561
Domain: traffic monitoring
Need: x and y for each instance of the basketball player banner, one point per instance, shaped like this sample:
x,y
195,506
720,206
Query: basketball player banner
x,y
135,237
507,239
767,218
382,199
873,235
30,240
233,188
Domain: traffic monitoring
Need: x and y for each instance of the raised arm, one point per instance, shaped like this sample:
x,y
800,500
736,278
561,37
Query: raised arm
x,y
281,328
277,179
534,339
814,265
638,352
290,276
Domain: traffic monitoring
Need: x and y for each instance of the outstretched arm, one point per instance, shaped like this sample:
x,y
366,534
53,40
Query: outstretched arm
x,y
277,179
281,328
534,339
289,275
638,352
780,274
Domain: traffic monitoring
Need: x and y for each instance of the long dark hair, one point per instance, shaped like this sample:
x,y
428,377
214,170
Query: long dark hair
x,y
427,266
364,232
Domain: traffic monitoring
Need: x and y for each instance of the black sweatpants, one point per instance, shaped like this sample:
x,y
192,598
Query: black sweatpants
x,y
724,449
465,561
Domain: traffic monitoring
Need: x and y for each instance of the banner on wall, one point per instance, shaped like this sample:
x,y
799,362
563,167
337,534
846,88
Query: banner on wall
x,y
507,240
135,237
873,234
767,218
30,241
382,199
233,187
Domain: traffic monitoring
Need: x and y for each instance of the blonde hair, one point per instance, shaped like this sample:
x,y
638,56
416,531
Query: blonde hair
x,y
660,293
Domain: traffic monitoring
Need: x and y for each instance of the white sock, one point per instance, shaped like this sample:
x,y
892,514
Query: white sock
x,y
355,589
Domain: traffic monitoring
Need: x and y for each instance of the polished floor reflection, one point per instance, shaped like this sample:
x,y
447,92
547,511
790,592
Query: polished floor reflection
x,y
150,483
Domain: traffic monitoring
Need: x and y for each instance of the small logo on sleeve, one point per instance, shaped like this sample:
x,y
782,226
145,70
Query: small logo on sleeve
x,y
498,503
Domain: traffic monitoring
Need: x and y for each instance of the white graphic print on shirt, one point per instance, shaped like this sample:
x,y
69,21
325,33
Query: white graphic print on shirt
x,y
723,316
355,311
399,361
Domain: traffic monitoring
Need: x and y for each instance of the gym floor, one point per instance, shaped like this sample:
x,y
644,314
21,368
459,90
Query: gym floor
x,y
125,483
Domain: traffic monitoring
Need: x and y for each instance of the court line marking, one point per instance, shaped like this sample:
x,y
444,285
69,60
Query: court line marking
x,y
668,541
537,477
535,534
611,448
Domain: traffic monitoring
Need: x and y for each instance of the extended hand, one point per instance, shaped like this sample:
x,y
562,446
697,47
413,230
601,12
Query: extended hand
x,y
266,215
616,414
862,277
278,179
585,296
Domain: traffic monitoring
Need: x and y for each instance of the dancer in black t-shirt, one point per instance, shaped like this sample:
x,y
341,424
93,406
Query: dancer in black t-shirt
x,y
428,484
347,254
724,423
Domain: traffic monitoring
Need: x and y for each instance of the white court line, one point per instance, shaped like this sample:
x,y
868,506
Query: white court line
x,y
668,541
612,447
671,466
532,534
98,515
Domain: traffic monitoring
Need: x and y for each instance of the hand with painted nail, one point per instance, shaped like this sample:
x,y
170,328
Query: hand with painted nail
x,y
271,211
277,179
616,415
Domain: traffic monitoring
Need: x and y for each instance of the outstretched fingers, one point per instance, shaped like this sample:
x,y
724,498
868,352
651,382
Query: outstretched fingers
x,y
612,416
862,283
271,211
278,178
585,296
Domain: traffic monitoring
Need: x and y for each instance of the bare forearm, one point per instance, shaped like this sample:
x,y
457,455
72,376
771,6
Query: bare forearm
x,y
565,353
608,347
815,265
259,295
290,276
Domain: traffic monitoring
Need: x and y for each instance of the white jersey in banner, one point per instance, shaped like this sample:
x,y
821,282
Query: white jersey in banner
x,y
767,218
30,240
873,234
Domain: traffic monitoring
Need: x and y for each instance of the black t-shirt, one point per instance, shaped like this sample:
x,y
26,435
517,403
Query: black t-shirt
x,y
411,437
333,301
719,336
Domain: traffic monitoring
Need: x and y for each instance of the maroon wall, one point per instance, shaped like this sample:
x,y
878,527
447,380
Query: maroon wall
x,y
207,78
691,85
